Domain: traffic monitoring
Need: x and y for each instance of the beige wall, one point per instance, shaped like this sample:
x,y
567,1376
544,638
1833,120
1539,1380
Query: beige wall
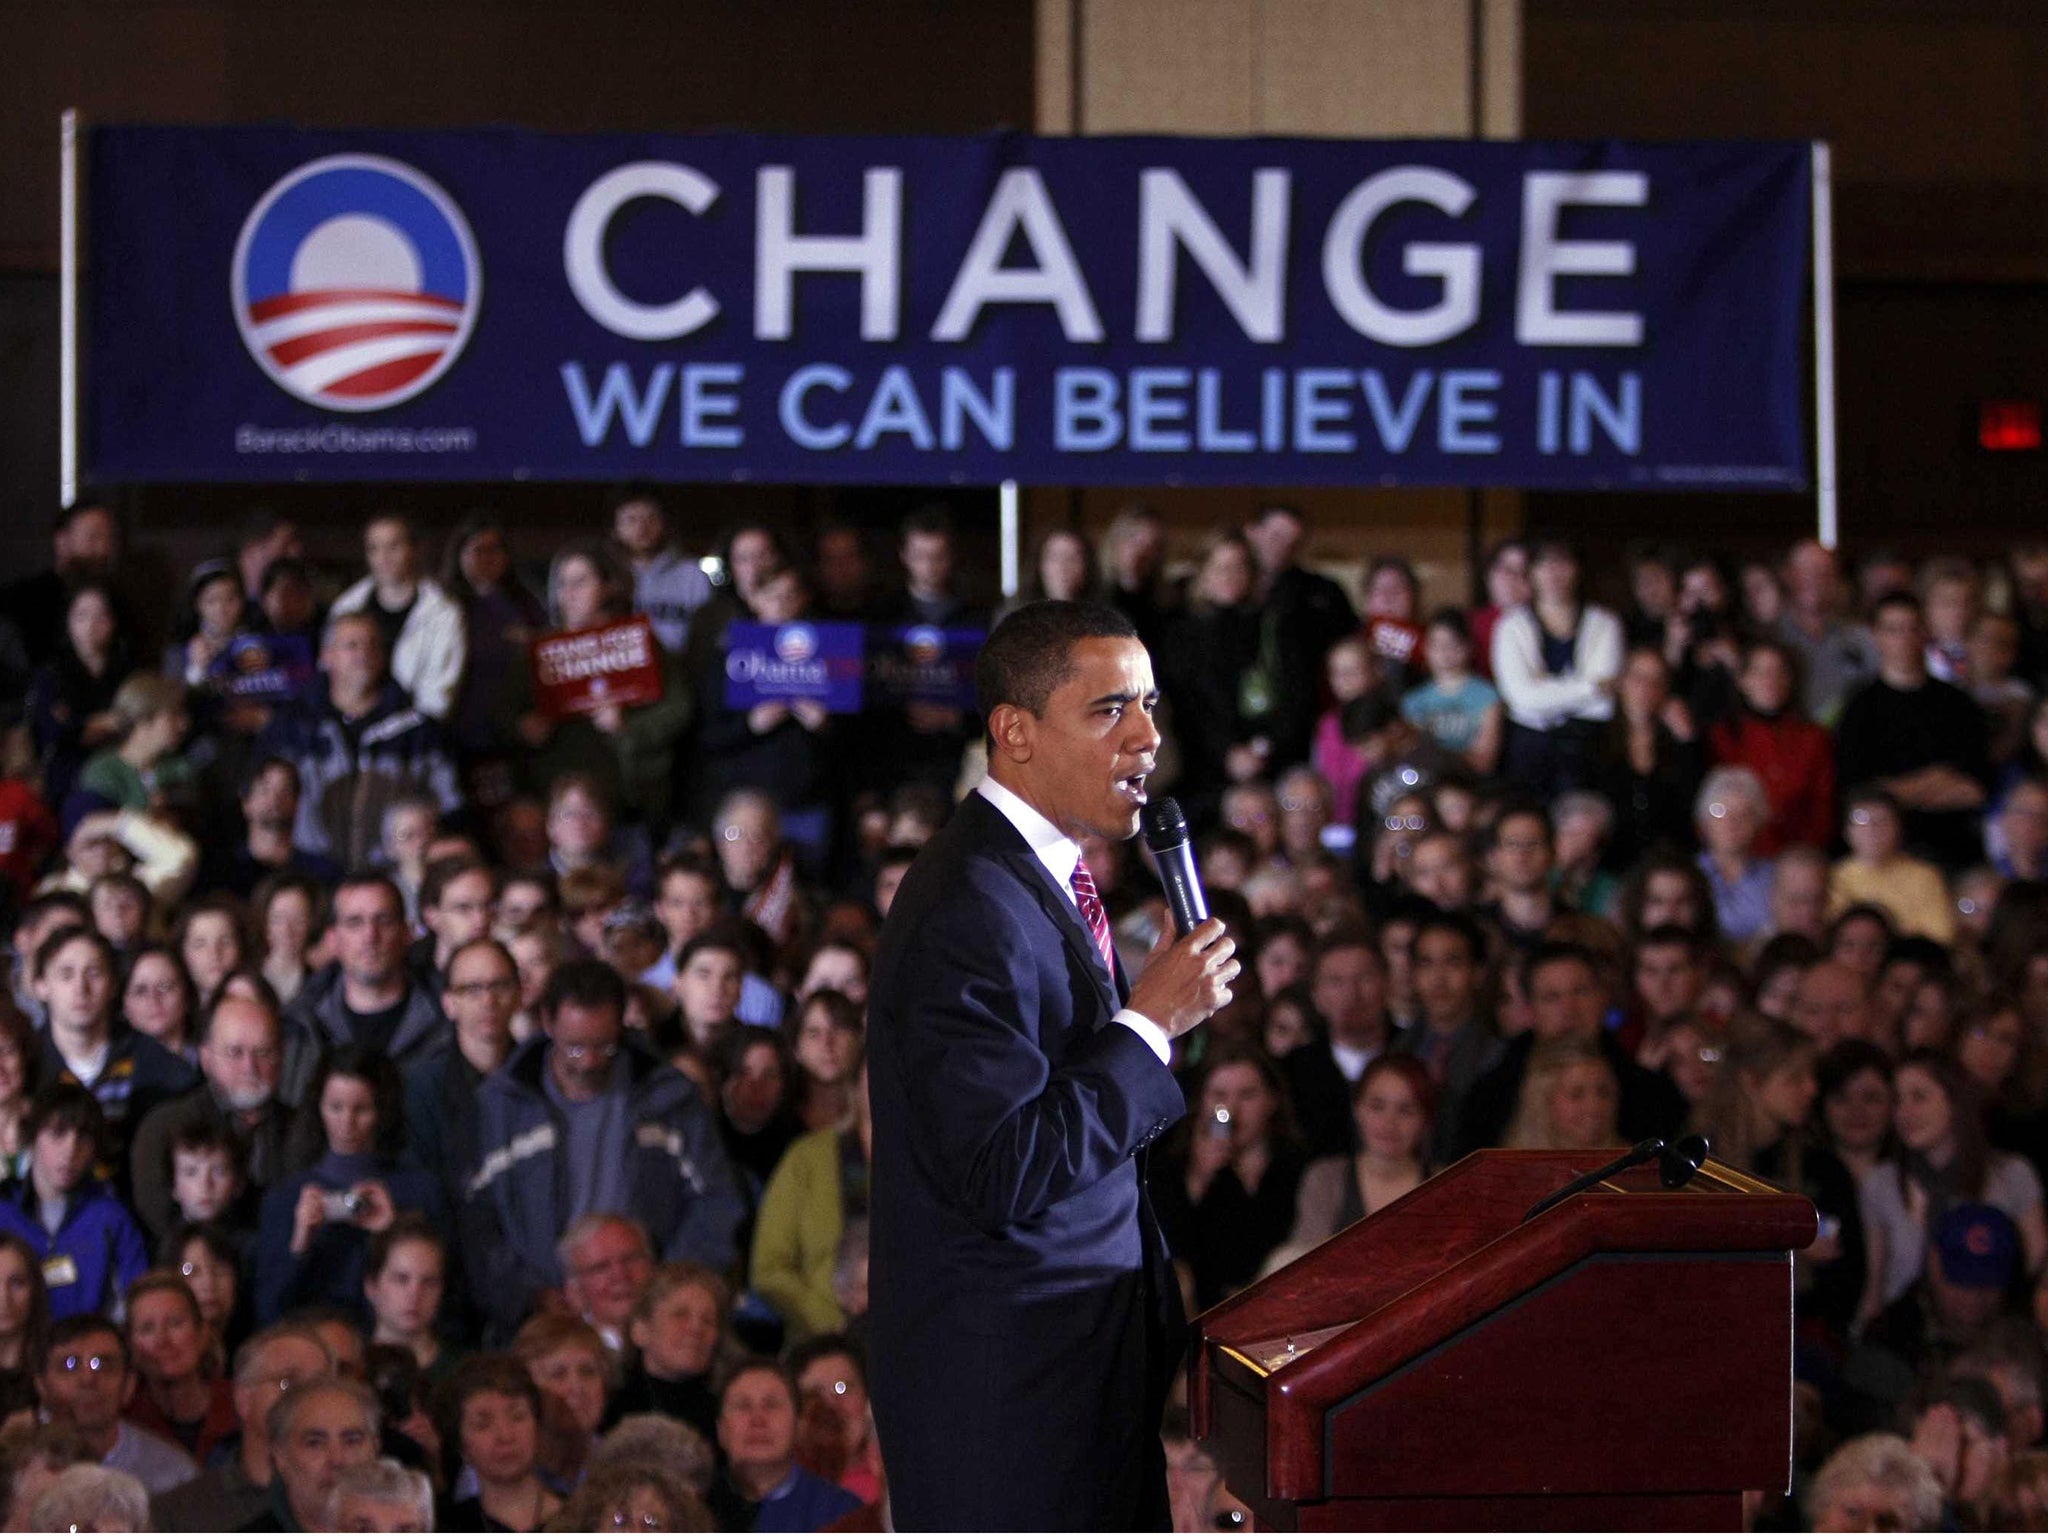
x,y
1337,68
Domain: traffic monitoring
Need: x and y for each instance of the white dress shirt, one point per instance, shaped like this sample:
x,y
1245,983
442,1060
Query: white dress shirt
x,y
1059,854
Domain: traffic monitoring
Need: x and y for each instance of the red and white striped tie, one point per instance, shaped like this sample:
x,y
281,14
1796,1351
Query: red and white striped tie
x,y
1090,902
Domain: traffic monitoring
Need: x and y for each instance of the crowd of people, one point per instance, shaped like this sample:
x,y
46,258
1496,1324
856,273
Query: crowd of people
x,y
421,1109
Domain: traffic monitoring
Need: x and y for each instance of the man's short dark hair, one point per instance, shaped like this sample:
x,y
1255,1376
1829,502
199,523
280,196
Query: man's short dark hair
x,y
363,879
1521,808
800,1356
442,873
1032,652
284,568
755,1365
36,908
258,524
934,517
59,939
67,1331
1930,955
635,490
1557,952
1459,926
1675,934
721,937
265,766
89,498
585,983
1896,599
68,1107
1348,936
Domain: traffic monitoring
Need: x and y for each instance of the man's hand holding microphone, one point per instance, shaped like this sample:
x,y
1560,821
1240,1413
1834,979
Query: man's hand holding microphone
x,y
1187,976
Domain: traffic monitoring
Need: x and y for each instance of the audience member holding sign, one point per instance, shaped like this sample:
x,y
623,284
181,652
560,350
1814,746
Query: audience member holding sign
x,y
619,715
772,685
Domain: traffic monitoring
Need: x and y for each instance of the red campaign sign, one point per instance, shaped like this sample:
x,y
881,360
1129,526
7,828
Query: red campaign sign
x,y
580,671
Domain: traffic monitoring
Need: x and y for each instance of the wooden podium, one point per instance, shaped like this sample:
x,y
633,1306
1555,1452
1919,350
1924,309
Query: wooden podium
x,y
1622,1362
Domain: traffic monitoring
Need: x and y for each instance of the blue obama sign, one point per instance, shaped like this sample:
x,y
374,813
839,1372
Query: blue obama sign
x,y
924,664
790,663
270,304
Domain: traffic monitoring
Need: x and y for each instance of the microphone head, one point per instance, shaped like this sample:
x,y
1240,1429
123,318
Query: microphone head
x,y
1163,824
1681,1160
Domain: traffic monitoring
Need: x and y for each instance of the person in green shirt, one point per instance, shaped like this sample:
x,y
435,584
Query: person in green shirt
x,y
142,769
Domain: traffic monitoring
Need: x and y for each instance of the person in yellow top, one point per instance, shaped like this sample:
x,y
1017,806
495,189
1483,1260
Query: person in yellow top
x,y
819,1184
1912,890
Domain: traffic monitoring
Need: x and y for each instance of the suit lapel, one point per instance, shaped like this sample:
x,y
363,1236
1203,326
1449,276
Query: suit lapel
x,y
1080,942
1057,904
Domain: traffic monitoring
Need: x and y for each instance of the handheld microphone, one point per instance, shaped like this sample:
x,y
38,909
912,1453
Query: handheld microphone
x,y
1166,834
1676,1164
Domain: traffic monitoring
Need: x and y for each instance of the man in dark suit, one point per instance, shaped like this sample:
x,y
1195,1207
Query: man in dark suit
x,y
1024,1320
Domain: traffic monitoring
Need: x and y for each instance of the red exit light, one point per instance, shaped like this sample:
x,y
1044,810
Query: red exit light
x,y
2009,426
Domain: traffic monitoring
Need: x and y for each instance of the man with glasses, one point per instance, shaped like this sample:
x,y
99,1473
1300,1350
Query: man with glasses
x,y
369,997
236,1488
241,1055
1519,858
458,903
480,996
84,1381
580,1120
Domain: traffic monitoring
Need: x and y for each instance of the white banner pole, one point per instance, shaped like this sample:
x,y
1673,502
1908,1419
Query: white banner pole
x,y
1012,533
67,306
1824,346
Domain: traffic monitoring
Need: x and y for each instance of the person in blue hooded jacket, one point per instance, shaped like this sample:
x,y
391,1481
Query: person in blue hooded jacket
x,y
90,1247
581,1119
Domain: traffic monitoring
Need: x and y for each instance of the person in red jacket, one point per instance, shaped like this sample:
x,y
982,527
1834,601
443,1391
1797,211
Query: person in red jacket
x,y
28,835
1768,734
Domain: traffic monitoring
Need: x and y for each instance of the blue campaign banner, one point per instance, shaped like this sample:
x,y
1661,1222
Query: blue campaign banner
x,y
264,669
924,664
274,304
783,663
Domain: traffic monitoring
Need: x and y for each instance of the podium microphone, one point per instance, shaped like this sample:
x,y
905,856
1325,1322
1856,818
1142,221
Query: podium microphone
x,y
1166,834
1677,1163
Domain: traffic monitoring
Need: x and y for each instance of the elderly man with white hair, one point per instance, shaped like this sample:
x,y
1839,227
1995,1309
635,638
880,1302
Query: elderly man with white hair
x,y
89,1498
318,1429
1874,1483
1730,811
380,1496
237,1488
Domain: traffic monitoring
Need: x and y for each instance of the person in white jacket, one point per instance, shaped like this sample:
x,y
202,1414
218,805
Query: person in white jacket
x,y
422,624
1555,661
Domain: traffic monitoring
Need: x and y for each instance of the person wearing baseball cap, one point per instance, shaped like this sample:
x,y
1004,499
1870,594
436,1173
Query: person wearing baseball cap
x,y
1974,1264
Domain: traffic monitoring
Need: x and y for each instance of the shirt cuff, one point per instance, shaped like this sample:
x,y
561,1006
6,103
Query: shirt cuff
x,y
1155,1038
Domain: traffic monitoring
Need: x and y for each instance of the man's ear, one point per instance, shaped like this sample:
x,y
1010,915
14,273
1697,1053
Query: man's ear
x,y
1014,732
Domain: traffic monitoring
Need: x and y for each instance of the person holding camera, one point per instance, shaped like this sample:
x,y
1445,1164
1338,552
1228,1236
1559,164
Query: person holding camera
x,y
1226,1189
313,1236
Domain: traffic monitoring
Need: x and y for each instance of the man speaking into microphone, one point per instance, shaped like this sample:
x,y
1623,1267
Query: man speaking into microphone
x,y
1024,1320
